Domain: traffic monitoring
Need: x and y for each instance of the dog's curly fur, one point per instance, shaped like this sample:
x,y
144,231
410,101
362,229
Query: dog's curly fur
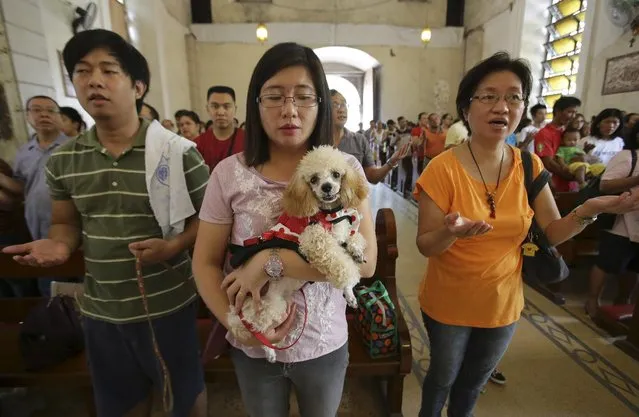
x,y
323,180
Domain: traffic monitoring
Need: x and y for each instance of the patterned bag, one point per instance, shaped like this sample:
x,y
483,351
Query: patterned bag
x,y
377,320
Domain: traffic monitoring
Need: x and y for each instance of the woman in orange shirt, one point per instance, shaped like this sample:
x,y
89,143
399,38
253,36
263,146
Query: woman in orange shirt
x,y
473,218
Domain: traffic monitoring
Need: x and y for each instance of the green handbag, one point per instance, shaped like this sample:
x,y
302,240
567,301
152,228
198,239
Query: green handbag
x,y
376,320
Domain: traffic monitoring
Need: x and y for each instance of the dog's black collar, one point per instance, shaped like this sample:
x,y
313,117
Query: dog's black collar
x,y
333,210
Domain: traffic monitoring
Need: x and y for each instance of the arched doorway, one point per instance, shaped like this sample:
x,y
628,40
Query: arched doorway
x,y
360,70
352,96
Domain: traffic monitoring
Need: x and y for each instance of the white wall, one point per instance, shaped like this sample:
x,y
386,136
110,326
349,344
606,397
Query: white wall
x,y
602,41
409,79
161,39
56,17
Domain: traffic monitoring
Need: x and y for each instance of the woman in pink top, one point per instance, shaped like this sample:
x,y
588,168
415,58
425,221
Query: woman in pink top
x,y
288,113
619,246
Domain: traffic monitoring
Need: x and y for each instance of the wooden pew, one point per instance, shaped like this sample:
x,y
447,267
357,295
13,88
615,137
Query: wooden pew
x,y
630,344
74,371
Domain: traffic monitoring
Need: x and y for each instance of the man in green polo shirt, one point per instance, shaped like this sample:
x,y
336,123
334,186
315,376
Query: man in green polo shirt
x,y
101,202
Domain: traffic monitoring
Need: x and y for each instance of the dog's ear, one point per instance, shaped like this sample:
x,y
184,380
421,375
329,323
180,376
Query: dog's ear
x,y
354,188
298,199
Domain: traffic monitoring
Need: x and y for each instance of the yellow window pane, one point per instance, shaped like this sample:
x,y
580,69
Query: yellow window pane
x,y
560,65
550,101
567,7
558,83
566,26
563,46
581,17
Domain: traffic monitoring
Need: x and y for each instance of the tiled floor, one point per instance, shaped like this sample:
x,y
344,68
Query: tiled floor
x,y
557,365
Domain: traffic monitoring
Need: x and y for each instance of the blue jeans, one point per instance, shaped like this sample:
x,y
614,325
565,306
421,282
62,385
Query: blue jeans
x,y
124,367
266,387
461,361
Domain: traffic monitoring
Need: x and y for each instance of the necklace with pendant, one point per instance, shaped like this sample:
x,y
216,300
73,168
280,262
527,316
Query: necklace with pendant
x,y
490,196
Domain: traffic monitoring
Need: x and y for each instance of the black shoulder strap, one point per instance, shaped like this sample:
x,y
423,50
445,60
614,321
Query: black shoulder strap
x,y
633,164
533,187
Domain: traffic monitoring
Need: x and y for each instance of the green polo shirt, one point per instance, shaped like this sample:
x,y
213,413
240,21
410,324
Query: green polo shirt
x,y
112,198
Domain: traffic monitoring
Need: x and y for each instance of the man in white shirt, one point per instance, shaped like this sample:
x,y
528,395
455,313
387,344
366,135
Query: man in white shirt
x,y
526,137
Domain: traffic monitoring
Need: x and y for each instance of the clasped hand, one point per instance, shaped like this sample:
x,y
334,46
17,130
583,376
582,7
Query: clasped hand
x,y
251,280
153,251
614,204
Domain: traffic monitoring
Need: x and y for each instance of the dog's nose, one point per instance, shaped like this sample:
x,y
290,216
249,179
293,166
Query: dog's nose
x,y
327,188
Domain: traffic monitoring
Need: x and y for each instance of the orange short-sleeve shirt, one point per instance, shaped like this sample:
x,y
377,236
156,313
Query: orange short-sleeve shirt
x,y
477,281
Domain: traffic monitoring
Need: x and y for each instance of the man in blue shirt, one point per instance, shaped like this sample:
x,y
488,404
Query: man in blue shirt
x,y
43,114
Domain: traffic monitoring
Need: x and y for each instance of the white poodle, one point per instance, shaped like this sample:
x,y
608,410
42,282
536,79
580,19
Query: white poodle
x,y
320,222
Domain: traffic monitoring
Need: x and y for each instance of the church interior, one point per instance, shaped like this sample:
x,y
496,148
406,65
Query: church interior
x,y
389,60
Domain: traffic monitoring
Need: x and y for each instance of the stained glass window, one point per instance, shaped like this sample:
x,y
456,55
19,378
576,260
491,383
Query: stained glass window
x,y
566,23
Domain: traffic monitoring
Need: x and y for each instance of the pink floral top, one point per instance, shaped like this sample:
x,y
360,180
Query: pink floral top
x,y
239,195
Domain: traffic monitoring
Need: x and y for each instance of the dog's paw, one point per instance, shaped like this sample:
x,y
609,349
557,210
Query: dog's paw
x,y
351,300
270,354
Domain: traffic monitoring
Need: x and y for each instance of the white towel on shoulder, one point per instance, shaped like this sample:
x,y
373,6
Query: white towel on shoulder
x,y
165,178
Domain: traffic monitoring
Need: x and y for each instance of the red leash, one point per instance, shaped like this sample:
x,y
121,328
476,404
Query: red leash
x,y
260,336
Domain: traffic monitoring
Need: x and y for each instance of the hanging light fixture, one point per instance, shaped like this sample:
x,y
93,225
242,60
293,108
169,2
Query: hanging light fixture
x,y
426,35
261,33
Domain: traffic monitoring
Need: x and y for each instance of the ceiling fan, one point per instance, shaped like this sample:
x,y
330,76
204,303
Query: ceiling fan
x,y
85,17
625,14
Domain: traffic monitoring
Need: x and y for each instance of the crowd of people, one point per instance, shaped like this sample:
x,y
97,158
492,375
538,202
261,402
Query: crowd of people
x,y
139,198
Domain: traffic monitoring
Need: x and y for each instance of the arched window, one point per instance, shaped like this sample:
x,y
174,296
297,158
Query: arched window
x,y
565,29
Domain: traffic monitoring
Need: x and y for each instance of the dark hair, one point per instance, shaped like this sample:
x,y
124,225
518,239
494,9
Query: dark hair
x,y
190,114
501,61
390,122
534,109
445,115
571,130
628,116
419,116
604,114
130,59
400,118
208,124
334,92
565,102
630,140
279,57
220,89
524,122
154,112
180,113
74,116
40,97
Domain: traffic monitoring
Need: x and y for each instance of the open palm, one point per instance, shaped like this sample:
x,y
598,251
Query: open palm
x,y
463,227
41,253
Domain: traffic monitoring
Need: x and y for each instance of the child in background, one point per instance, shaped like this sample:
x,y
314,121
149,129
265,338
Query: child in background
x,y
582,166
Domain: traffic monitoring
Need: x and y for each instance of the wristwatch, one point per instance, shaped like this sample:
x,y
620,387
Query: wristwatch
x,y
393,166
274,267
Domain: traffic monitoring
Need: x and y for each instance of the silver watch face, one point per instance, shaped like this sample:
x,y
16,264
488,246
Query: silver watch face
x,y
274,267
